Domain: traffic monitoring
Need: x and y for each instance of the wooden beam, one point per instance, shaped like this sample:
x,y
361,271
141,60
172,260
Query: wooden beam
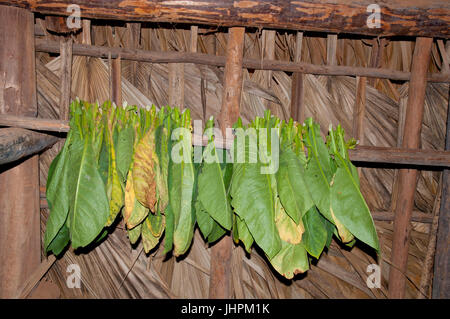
x,y
220,272
407,178
43,45
441,280
20,244
413,17
366,154
17,143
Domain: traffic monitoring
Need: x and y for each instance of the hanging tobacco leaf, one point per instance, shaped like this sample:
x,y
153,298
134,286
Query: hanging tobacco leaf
x,y
292,189
57,196
89,207
212,192
253,200
144,166
315,235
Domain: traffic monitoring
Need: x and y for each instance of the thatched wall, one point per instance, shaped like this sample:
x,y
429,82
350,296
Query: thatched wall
x,y
116,270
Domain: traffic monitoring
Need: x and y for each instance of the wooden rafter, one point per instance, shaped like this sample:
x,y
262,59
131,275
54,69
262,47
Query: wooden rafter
x,y
208,59
397,17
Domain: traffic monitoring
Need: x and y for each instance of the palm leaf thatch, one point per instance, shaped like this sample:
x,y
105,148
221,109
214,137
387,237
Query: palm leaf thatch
x,y
113,269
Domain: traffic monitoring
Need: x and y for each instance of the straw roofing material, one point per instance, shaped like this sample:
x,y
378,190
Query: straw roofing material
x,y
114,269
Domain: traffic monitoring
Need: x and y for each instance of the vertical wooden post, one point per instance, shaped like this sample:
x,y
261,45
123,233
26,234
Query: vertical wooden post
x,y
134,37
116,81
407,178
441,281
331,55
19,182
269,37
297,90
359,110
220,271
66,78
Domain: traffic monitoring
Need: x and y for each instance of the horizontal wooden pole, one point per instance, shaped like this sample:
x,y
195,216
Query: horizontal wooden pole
x,y
396,17
33,123
16,143
369,154
42,45
394,155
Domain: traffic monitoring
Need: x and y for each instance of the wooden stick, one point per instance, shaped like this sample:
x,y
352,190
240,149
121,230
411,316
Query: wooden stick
x,y
427,271
116,81
441,279
362,154
408,177
220,272
66,78
17,143
413,17
208,59
297,90
359,110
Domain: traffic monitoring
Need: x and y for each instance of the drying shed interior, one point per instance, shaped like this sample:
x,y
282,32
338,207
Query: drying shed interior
x,y
388,87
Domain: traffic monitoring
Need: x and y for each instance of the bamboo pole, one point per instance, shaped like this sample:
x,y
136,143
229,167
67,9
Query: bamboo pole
x,y
214,60
20,248
407,178
220,272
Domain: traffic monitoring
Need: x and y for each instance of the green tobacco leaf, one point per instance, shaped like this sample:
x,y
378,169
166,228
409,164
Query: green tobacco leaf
x,y
204,220
244,234
168,241
138,214
149,240
57,196
253,200
134,233
318,172
162,151
290,260
89,207
315,235
124,151
181,192
292,188
144,174
156,223
212,192
216,233
60,241
350,207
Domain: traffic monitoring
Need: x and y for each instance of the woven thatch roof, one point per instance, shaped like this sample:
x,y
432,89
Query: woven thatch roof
x,y
116,270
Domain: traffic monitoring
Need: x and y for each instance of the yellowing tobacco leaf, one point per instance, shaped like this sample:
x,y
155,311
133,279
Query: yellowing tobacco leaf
x,y
345,235
289,231
144,179
149,240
